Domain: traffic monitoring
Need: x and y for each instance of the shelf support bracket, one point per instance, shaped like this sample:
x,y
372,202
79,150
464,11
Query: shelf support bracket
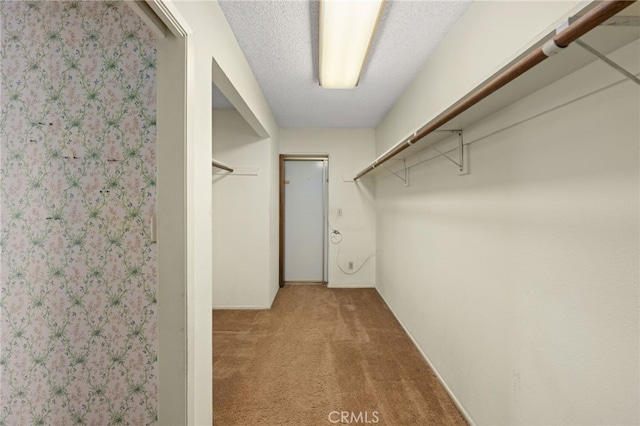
x,y
608,61
463,155
462,162
405,179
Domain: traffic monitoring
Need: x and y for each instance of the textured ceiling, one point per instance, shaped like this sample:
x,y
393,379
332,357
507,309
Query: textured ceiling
x,y
280,42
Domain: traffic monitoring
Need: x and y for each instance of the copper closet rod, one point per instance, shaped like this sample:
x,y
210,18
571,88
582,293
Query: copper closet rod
x,y
218,164
571,33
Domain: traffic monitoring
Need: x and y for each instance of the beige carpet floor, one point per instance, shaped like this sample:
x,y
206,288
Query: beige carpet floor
x,y
319,357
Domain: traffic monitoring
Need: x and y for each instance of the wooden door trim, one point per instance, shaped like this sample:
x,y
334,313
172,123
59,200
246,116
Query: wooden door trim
x,y
293,157
281,248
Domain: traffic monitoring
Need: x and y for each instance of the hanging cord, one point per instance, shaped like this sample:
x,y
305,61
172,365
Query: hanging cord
x,y
336,239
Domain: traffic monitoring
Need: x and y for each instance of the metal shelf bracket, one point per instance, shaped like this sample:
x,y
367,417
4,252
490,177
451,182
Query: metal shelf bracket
x,y
405,179
462,162
608,61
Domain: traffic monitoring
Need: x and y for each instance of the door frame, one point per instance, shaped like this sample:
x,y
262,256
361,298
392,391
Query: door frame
x,y
281,223
179,385
325,193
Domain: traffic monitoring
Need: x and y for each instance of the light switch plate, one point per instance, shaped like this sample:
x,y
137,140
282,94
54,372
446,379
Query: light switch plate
x,y
154,229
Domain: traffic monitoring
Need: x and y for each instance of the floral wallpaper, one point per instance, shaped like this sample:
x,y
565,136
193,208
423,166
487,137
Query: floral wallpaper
x,y
78,326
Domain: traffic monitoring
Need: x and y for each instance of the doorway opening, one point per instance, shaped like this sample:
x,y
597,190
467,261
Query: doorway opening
x,y
304,222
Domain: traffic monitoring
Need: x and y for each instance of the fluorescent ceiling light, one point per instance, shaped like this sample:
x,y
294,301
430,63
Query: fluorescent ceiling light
x,y
346,33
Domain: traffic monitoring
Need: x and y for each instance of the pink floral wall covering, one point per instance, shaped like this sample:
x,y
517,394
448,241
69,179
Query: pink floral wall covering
x,y
77,191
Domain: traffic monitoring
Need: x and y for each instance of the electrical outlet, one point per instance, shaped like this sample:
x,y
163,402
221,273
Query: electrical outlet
x,y
350,265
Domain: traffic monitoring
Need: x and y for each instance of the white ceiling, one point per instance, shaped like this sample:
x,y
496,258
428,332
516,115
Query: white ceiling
x,y
280,42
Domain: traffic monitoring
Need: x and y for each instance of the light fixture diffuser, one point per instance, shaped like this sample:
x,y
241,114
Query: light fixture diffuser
x,y
346,31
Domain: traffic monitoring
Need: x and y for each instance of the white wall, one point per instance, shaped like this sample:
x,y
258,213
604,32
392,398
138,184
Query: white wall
x,y
520,281
274,219
211,40
346,148
242,240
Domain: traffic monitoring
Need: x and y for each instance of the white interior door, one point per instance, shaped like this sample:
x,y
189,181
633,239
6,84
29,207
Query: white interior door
x,y
304,220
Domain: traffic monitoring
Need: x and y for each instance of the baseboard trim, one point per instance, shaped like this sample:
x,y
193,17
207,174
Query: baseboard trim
x,y
240,307
464,412
351,286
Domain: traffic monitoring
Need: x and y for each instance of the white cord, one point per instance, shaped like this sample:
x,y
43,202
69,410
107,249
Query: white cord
x,y
336,239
